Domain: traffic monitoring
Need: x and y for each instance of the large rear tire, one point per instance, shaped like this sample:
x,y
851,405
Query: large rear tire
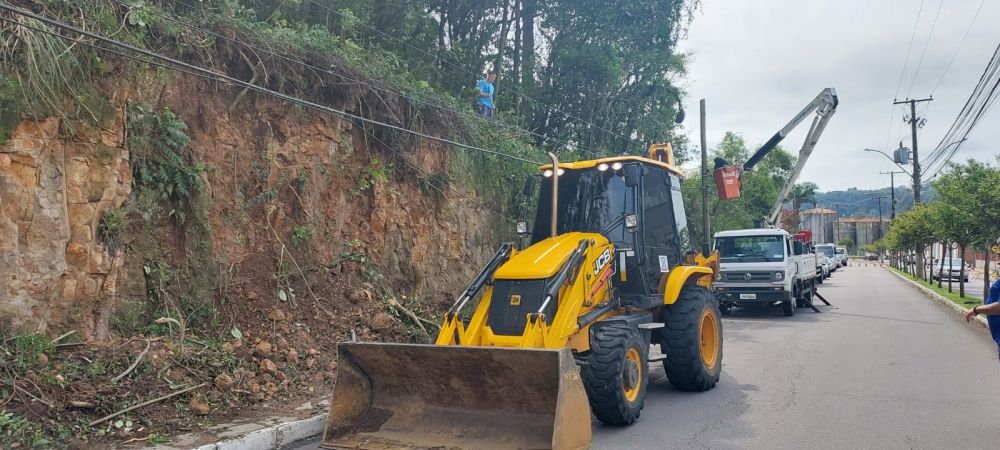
x,y
691,338
616,373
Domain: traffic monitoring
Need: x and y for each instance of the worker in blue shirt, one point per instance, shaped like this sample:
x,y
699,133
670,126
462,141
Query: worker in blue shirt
x,y
991,308
486,90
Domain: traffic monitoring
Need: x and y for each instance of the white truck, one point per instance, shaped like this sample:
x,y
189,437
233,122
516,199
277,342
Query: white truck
x,y
764,266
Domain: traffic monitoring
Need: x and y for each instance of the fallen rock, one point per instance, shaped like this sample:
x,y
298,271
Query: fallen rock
x,y
381,322
310,362
292,356
224,381
199,405
282,343
264,347
255,388
276,315
267,365
43,359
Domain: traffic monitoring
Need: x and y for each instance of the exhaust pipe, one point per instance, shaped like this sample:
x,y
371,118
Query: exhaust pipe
x,y
555,192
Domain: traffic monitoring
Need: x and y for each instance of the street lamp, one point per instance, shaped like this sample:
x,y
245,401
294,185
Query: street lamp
x,y
890,159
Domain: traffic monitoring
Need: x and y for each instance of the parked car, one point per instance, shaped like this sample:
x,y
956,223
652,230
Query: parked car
x,y
830,252
841,255
950,269
871,257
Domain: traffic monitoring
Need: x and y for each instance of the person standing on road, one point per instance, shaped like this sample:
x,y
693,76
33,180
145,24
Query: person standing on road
x,y
990,307
486,90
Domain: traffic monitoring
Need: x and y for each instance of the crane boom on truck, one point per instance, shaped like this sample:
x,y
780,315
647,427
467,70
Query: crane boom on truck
x,y
825,104
767,265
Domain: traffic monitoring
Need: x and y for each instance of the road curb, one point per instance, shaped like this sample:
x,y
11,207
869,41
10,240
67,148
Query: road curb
x,y
273,437
980,320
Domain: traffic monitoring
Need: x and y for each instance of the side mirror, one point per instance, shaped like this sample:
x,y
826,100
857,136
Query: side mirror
x,y
632,175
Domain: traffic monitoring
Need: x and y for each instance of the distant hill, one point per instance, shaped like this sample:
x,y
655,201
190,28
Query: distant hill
x,y
859,202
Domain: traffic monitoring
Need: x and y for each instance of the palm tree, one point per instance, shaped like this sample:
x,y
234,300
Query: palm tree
x,y
802,193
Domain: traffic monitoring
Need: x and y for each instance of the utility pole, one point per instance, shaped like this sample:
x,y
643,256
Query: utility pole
x,y
879,197
915,123
706,242
892,181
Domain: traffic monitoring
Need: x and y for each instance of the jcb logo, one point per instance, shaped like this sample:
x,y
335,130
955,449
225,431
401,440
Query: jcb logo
x,y
515,300
602,261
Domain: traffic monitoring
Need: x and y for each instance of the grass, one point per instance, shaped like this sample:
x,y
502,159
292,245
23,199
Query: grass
x,y
966,302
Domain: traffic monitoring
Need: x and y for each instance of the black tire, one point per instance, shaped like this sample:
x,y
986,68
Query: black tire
x,y
607,376
681,340
788,307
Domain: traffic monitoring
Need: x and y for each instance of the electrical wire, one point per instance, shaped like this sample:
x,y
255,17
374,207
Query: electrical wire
x,y
417,168
476,74
983,97
930,35
193,26
909,48
222,78
960,44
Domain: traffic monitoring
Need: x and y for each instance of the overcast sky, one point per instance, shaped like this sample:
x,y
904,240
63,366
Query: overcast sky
x,y
757,63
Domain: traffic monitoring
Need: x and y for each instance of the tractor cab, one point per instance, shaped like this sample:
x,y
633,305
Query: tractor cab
x,y
633,201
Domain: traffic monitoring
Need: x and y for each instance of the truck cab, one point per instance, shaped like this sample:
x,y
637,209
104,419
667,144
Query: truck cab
x,y
763,267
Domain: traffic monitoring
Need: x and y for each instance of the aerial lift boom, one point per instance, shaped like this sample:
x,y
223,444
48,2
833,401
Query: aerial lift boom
x,y
825,104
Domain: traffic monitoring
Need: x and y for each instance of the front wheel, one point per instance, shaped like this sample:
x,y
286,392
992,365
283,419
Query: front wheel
x,y
691,338
616,373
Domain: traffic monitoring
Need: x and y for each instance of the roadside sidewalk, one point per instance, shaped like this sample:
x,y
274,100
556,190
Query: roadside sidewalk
x,y
960,311
259,434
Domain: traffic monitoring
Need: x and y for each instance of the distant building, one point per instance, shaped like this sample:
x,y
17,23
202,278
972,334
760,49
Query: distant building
x,y
859,230
820,222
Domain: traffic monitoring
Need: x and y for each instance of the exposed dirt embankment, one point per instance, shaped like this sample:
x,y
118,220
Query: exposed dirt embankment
x,y
261,233
288,199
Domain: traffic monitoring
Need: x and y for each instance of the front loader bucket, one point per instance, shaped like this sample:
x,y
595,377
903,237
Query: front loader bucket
x,y
391,396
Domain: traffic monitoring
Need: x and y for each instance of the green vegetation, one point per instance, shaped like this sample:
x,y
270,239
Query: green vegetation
x,y
965,212
759,190
157,140
965,302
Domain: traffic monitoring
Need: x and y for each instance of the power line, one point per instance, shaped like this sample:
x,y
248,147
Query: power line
x,y
930,35
222,78
909,48
192,25
983,97
457,66
419,170
960,44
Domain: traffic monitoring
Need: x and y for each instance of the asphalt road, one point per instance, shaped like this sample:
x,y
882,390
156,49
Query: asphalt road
x,y
884,367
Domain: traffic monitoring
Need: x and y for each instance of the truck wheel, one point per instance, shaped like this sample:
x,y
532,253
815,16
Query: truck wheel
x,y
616,373
692,340
788,307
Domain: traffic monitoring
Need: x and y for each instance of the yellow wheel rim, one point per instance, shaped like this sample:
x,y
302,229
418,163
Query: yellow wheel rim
x,y
709,339
632,374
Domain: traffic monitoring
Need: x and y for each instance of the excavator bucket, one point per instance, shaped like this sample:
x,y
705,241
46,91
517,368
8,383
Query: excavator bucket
x,y
394,396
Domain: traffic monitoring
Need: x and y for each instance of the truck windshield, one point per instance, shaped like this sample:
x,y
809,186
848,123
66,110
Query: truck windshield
x,y
826,250
841,251
751,248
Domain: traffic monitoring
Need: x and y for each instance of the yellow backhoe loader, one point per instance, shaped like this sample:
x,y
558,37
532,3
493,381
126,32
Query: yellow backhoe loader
x,y
550,333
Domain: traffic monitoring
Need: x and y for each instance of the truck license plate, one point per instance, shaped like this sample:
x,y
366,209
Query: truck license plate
x,y
748,296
